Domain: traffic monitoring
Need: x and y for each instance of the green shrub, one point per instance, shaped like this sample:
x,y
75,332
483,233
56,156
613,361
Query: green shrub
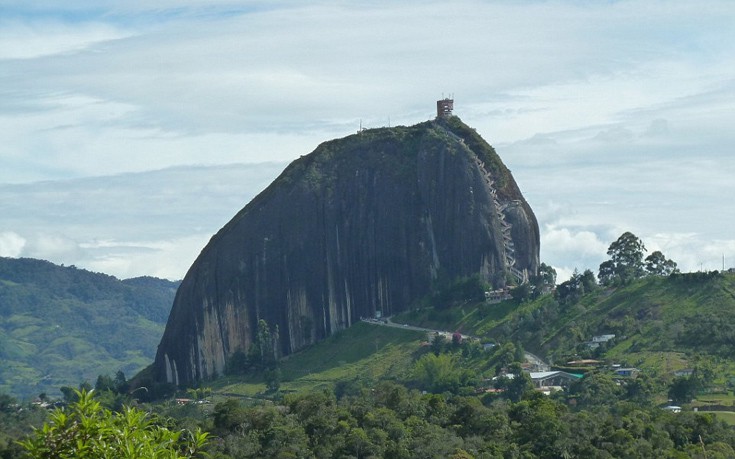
x,y
86,430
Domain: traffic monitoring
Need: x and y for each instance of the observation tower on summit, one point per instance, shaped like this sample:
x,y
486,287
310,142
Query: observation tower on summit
x,y
444,107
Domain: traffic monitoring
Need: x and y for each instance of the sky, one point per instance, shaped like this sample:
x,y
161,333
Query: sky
x,y
130,132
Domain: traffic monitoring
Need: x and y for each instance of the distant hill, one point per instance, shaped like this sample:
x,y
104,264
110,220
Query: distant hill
x,y
63,325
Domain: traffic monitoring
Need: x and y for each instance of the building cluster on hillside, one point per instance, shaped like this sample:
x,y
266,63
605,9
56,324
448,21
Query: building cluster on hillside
x,y
544,378
548,380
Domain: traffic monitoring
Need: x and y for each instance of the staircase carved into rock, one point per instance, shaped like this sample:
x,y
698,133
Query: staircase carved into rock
x,y
521,276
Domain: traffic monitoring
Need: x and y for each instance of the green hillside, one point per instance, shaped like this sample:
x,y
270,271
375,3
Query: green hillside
x,y
372,377
62,325
379,391
662,323
364,351
691,313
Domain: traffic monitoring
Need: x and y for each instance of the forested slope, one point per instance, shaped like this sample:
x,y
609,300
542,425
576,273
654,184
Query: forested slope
x,y
62,325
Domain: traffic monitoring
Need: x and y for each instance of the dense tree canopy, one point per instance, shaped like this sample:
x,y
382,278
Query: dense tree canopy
x,y
387,420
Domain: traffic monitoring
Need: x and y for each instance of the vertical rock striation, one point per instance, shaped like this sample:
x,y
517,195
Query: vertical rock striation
x,y
363,224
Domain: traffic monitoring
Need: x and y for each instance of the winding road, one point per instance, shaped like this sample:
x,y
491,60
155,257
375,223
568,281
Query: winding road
x,y
533,359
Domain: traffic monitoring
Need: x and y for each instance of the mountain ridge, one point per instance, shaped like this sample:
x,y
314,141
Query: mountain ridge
x,y
60,325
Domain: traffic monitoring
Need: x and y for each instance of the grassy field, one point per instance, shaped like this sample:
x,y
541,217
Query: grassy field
x,y
727,416
362,351
656,362
475,319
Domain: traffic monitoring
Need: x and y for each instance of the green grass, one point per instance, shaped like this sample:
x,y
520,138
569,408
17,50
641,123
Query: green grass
x,y
716,399
359,342
477,319
657,362
727,416
650,316
364,351
720,400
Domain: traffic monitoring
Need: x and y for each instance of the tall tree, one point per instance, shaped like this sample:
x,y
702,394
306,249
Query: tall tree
x,y
658,265
570,291
121,383
683,389
587,281
262,351
595,389
546,277
626,261
517,383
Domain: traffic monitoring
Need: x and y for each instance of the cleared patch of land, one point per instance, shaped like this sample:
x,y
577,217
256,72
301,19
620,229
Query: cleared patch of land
x,y
362,351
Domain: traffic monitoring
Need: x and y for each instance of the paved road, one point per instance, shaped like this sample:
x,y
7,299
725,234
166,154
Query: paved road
x,y
386,322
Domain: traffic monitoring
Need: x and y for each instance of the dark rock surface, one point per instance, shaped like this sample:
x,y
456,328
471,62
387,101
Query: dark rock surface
x,y
363,224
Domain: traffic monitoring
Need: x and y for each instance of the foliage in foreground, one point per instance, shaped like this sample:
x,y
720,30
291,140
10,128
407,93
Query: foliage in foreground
x,y
387,420
87,430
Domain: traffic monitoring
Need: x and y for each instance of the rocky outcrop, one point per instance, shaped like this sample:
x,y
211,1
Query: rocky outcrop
x,y
363,224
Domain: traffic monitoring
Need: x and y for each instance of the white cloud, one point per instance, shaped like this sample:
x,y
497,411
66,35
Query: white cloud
x,y
583,242
292,69
52,246
39,38
152,223
657,128
11,244
168,259
693,252
567,249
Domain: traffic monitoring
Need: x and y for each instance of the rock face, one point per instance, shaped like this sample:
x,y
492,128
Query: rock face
x,y
363,224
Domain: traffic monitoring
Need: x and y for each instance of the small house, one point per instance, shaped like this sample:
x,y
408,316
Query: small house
x,y
627,372
602,338
599,339
553,378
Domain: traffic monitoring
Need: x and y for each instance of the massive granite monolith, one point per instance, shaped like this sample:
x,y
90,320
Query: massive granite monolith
x,y
363,224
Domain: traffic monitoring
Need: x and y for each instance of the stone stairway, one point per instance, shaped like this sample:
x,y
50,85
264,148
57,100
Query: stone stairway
x,y
521,276
508,246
